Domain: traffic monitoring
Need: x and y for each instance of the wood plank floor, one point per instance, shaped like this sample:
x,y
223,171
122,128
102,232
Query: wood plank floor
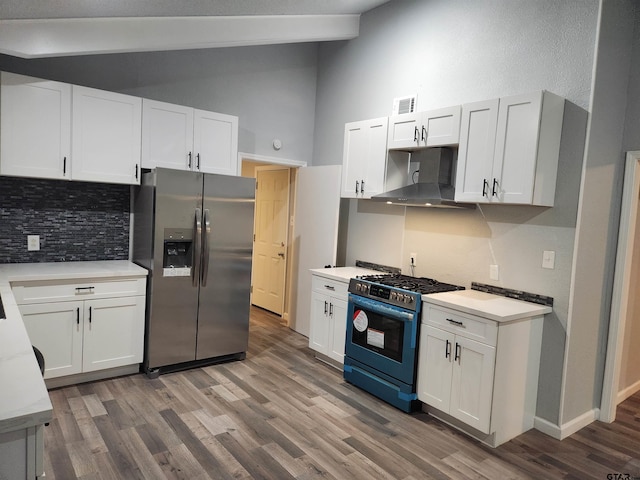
x,y
281,414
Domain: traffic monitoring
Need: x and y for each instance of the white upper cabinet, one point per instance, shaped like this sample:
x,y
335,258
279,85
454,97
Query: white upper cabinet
x,y
520,165
184,138
106,136
35,127
215,141
61,131
364,158
434,128
167,135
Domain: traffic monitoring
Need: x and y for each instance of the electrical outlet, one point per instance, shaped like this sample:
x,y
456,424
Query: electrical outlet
x,y
413,259
494,272
549,259
33,242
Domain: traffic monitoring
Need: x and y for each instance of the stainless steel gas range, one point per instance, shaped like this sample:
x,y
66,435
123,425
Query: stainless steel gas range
x,y
383,321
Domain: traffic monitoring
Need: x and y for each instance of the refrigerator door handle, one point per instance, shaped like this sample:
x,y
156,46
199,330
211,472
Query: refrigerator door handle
x,y
197,240
205,246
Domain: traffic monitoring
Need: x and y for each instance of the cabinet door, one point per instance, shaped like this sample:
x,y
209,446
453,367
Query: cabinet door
x,y
35,127
56,330
476,151
167,135
364,158
319,328
113,332
516,150
442,127
215,140
106,136
338,320
472,383
435,366
405,131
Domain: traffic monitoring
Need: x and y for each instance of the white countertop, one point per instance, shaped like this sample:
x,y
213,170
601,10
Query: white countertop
x,y
24,401
493,307
343,274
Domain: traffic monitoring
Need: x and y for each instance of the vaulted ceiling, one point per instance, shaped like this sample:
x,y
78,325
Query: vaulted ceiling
x,y
33,29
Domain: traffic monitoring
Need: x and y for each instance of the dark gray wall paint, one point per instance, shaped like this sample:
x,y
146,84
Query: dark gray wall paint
x,y
75,220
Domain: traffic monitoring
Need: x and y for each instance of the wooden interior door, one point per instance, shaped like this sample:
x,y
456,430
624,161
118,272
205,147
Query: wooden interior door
x,y
270,243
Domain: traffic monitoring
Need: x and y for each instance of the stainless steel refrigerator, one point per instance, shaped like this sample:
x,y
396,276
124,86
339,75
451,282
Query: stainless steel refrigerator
x,y
194,233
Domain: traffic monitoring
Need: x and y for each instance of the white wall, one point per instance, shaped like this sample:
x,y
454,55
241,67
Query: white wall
x,y
451,53
271,89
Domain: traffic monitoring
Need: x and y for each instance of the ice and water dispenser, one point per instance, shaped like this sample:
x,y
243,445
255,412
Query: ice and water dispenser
x,y
178,253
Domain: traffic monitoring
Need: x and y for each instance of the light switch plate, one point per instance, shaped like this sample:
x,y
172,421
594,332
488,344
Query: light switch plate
x,y
494,272
33,242
549,259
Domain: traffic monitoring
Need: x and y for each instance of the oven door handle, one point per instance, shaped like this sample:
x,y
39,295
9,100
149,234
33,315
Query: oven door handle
x,y
383,309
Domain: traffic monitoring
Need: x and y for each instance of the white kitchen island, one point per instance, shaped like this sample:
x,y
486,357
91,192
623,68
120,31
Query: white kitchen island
x,y
478,362
24,402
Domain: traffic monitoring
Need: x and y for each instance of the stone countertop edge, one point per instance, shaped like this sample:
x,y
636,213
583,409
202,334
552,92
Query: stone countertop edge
x,y
343,274
24,400
486,305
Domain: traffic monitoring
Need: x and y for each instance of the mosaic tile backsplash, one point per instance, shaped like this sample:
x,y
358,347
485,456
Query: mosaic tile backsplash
x,y
517,294
76,221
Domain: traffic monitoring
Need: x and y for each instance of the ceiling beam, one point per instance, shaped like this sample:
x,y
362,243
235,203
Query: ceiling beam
x,y
83,36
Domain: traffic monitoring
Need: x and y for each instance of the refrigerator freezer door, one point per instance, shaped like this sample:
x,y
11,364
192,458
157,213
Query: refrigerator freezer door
x,y
223,318
172,324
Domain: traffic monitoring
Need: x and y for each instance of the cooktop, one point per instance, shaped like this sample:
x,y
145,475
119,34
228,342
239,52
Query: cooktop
x,y
422,285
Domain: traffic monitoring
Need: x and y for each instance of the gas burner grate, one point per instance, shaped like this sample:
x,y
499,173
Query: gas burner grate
x,y
422,285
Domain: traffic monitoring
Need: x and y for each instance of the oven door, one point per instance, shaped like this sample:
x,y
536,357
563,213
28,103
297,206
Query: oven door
x,y
383,337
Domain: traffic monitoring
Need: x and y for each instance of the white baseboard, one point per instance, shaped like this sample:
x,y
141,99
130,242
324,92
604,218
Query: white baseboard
x,y
627,392
568,428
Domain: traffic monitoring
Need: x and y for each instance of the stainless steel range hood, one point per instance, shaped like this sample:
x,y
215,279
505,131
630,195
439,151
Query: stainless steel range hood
x,y
433,187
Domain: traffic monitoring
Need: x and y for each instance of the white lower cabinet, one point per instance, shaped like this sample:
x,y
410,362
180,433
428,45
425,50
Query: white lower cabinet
x,y
328,317
478,373
22,453
95,326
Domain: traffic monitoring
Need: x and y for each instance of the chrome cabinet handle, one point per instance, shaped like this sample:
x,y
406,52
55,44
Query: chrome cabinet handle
x,y
329,287
447,350
361,186
415,133
189,161
494,190
357,185
205,247
485,187
456,358
331,309
325,307
195,257
198,161
424,134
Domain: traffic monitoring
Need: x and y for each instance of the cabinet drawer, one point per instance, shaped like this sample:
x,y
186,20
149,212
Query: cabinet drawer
x,y
475,328
330,287
57,291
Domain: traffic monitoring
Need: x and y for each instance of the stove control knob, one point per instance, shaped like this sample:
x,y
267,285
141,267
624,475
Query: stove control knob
x,y
393,295
407,298
411,299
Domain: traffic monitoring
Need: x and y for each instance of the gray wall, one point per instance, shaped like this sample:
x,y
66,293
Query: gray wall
x,y
272,89
598,218
450,53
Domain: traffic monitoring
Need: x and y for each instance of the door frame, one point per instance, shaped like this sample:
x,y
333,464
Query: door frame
x,y
293,165
621,285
